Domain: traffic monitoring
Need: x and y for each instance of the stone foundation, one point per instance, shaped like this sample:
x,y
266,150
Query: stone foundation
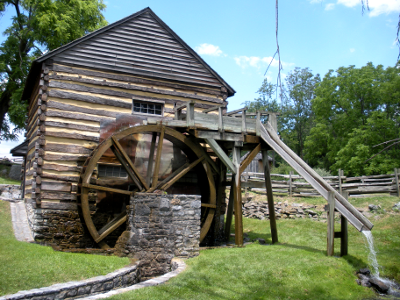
x,y
161,227
61,229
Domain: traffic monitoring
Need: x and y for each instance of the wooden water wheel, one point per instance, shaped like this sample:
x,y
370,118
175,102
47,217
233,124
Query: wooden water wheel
x,y
156,159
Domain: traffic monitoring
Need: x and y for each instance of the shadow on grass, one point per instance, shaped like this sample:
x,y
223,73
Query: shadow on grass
x,y
351,260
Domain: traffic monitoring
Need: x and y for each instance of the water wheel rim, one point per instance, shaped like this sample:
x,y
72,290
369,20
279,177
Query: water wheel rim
x,y
169,133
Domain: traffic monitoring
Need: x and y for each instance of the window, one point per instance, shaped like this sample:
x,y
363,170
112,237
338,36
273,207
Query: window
x,y
111,171
149,108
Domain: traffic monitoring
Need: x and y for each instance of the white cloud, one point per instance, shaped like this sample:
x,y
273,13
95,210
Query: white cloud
x,y
208,49
330,6
377,7
352,50
258,62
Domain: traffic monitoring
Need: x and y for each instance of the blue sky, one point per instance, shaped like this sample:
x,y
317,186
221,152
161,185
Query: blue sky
x,y
237,38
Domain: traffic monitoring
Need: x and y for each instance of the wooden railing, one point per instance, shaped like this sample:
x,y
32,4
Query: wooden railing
x,y
295,185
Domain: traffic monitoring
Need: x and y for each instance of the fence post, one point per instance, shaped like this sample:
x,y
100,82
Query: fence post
x,y
396,176
344,237
290,183
340,181
331,223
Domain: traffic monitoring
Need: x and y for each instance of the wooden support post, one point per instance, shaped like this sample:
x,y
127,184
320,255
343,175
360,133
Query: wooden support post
x,y
258,129
340,181
219,216
270,197
396,177
244,126
290,184
331,223
237,196
229,211
220,120
190,114
344,237
273,121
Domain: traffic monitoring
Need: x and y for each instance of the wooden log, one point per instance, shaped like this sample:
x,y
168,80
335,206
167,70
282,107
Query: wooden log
x,y
57,196
38,180
89,99
77,136
84,110
56,157
55,186
331,223
75,116
270,197
71,126
249,158
61,177
61,168
112,92
130,79
67,148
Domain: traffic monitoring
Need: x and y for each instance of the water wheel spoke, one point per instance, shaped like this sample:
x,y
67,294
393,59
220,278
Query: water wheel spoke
x,y
181,174
126,166
106,189
172,175
158,158
208,205
151,158
128,160
111,226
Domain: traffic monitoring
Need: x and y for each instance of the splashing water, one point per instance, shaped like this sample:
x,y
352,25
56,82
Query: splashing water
x,y
374,263
372,253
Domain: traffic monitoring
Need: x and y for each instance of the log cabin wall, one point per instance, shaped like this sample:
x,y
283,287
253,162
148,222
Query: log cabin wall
x,y
95,79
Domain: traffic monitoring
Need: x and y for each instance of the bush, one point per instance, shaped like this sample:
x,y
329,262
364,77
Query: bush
x,y
322,172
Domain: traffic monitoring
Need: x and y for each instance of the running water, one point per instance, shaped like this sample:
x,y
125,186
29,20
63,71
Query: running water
x,y
372,253
393,287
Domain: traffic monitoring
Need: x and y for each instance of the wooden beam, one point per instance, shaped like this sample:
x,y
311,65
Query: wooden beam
x,y
229,211
270,197
115,225
181,174
128,160
221,155
158,157
237,195
216,107
235,111
331,223
151,158
249,158
106,189
208,205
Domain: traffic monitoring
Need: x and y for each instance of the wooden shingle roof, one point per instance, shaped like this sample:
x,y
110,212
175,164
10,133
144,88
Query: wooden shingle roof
x,y
140,44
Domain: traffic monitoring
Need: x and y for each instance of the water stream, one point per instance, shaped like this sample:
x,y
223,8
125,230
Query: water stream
x,y
374,262
372,253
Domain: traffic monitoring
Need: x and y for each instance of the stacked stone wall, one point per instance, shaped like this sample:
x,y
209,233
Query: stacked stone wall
x,y
61,229
161,227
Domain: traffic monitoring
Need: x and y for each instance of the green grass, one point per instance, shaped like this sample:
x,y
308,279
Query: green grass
x,y
296,268
26,266
9,181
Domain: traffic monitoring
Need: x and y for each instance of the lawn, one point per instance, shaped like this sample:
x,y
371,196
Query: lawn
x,y
296,268
26,266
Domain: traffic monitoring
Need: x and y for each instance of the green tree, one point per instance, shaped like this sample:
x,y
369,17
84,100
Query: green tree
x,y
297,115
37,26
355,109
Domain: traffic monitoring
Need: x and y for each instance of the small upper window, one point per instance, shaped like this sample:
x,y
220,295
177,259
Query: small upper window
x,y
147,108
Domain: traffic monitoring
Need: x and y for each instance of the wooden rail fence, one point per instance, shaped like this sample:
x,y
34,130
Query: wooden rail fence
x,y
295,185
